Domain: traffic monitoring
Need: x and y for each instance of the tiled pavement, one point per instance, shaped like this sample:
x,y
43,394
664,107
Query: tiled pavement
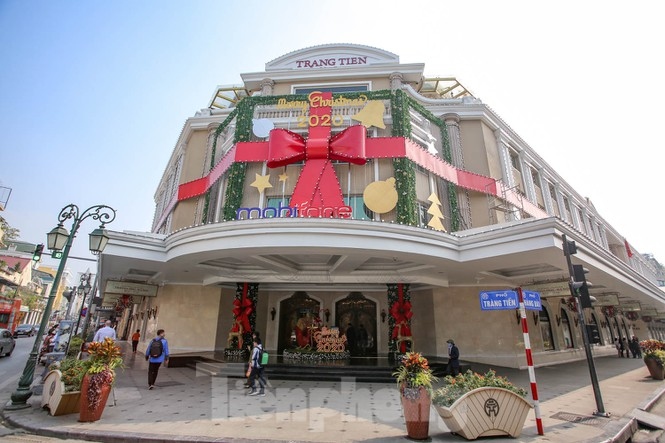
x,y
189,406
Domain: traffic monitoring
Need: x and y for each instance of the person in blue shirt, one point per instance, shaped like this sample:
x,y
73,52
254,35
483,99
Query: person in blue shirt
x,y
155,361
255,370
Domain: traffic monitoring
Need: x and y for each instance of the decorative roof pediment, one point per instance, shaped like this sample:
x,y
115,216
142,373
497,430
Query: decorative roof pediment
x,y
332,56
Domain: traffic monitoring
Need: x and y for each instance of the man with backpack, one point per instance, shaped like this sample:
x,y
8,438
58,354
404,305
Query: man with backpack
x,y
255,369
156,353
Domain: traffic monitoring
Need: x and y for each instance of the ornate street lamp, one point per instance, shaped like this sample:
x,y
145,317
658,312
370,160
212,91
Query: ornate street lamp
x,y
61,240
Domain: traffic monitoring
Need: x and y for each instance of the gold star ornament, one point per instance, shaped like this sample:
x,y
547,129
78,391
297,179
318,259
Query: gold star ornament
x,y
261,183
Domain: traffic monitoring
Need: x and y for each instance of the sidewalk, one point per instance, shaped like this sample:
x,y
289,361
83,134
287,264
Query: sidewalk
x,y
186,406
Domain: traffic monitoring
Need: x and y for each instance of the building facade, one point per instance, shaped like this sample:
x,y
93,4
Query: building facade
x,y
340,186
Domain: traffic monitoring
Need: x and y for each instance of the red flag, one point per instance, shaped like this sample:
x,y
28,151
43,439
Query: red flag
x,y
628,250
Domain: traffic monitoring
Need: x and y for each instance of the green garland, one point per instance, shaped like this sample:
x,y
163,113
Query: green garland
x,y
405,171
222,126
447,156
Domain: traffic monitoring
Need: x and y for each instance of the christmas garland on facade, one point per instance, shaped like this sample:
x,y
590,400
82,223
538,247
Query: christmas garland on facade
x,y
399,310
405,174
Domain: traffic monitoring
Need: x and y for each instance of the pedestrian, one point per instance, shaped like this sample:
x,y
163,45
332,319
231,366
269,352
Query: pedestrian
x,y
635,347
624,347
106,331
255,370
255,335
617,345
156,354
135,340
350,334
362,339
453,358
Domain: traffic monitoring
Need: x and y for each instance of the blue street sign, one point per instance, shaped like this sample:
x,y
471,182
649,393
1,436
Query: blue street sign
x,y
498,300
532,301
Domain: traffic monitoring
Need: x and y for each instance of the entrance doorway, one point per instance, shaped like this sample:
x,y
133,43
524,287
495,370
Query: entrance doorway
x,y
360,313
296,314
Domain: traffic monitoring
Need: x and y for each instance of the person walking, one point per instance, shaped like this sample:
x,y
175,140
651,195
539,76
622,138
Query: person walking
x,y
255,370
135,340
453,358
362,339
624,347
106,331
156,354
350,334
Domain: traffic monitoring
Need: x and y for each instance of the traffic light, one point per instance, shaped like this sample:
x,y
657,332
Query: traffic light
x,y
569,247
37,255
581,286
593,334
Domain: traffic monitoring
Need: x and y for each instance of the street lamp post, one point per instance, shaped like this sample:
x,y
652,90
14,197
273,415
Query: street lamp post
x,y
83,290
59,239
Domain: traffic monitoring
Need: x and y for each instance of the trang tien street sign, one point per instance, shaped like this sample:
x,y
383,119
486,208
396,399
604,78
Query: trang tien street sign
x,y
498,300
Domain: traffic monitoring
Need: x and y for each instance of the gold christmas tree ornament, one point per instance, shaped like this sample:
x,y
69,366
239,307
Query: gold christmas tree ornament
x,y
371,114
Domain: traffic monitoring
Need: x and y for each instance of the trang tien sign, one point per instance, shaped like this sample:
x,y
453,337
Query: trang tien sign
x,y
498,300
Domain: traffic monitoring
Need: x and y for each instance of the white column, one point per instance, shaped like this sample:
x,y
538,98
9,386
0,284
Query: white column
x,y
457,156
267,86
396,79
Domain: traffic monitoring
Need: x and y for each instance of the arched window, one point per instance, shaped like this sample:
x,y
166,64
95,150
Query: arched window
x,y
565,328
608,329
546,330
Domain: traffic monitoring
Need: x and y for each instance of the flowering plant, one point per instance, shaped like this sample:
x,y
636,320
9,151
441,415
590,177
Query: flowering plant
x,y
455,387
104,358
654,349
73,371
414,373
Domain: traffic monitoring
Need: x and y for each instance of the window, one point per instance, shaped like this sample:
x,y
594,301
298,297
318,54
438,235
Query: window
x,y
565,327
546,330
423,216
359,210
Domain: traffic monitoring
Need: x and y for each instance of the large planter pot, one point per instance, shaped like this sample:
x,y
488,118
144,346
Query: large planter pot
x,y
416,404
656,369
54,397
87,413
486,412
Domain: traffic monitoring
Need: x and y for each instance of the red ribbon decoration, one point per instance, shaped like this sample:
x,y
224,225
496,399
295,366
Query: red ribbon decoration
x,y
243,307
401,312
318,184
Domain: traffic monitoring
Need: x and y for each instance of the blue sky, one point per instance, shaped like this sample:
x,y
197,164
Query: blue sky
x,y
93,95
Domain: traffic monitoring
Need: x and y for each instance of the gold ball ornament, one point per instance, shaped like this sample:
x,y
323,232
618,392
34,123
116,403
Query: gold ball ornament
x,y
381,196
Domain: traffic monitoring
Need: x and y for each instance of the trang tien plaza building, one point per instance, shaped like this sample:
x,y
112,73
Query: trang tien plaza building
x,y
340,188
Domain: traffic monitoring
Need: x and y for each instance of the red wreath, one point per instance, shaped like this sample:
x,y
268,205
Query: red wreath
x,y
571,302
632,316
608,311
243,307
401,313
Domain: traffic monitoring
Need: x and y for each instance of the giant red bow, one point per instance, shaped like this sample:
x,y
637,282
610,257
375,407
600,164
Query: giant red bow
x,y
243,307
317,185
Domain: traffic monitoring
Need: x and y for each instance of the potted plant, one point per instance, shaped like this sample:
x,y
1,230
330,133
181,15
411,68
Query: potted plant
x,y
654,357
62,386
474,405
414,378
104,358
